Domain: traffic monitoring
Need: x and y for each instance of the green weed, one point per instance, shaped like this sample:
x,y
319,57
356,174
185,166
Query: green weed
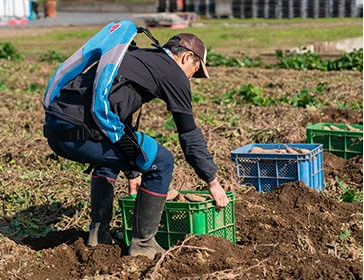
x,y
306,61
3,86
312,61
52,56
208,119
169,123
217,59
32,88
151,132
354,105
198,98
345,234
348,195
169,140
8,51
349,61
306,97
255,96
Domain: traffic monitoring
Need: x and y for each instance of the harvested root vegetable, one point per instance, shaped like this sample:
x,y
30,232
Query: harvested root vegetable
x,y
272,151
279,151
172,194
194,198
180,198
332,127
304,151
349,127
286,150
256,150
290,150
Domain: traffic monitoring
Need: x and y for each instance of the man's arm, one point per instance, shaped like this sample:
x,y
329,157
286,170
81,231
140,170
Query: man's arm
x,y
197,155
194,147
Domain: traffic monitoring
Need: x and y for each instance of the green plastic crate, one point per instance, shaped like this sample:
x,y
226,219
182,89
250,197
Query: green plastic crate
x,y
182,218
343,143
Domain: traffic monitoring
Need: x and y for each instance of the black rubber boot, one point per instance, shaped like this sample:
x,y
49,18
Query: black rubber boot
x,y
147,214
102,197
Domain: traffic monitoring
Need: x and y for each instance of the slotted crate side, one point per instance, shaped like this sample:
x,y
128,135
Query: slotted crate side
x,y
181,218
343,143
267,171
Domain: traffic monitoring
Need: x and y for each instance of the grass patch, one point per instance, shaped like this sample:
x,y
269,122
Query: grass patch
x,y
224,35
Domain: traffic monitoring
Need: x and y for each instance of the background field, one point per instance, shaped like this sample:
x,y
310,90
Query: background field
x,y
293,232
252,37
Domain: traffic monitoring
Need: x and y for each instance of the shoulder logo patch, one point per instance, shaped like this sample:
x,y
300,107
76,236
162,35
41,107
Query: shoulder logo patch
x,y
114,27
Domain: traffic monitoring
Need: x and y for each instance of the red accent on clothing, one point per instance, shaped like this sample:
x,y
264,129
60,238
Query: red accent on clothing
x,y
152,193
107,178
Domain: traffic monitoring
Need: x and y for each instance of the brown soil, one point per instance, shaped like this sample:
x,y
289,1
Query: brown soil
x,y
293,232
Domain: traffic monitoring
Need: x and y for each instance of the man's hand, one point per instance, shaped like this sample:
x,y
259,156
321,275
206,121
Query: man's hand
x,y
134,185
218,193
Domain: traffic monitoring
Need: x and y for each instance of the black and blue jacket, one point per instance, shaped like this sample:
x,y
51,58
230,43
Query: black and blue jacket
x,y
143,74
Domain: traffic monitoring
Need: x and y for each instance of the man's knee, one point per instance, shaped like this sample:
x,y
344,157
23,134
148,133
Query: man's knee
x,y
165,159
158,177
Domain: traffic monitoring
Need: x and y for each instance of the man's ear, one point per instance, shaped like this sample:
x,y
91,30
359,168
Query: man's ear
x,y
185,56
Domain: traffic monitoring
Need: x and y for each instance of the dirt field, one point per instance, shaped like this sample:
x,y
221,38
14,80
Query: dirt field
x,y
293,232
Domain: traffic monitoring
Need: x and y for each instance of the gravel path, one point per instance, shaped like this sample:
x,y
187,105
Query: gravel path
x,y
76,19
63,20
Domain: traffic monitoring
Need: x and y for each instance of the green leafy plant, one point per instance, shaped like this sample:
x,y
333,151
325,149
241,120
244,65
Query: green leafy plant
x,y
306,97
32,88
354,105
8,51
345,234
246,94
305,61
198,98
167,141
169,123
207,119
217,59
357,105
348,195
151,132
349,61
52,56
254,95
3,86
250,62
312,61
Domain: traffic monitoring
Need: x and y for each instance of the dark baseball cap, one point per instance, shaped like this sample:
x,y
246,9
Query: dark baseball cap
x,y
194,44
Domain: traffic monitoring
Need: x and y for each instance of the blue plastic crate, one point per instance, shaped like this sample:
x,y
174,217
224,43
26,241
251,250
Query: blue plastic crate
x,y
269,170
